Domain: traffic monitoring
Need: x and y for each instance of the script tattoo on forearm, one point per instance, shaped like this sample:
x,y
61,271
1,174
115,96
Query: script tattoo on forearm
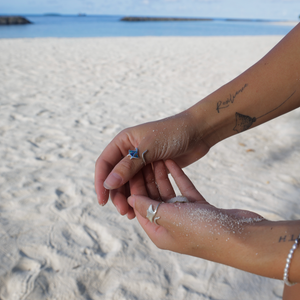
x,y
230,99
244,122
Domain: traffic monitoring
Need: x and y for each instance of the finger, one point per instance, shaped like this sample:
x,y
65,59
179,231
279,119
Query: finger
x,y
166,212
114,168
172,220
101,169
130,213
137,185
140,205
158,234
124,170
163,183
150,183
119,199
184,184
104,164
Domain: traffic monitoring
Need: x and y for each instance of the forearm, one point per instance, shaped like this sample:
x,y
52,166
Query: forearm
x,y
257,247
266,90
266,246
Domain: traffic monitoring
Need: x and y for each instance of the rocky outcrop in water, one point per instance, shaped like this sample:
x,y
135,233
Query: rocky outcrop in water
x,y
13,20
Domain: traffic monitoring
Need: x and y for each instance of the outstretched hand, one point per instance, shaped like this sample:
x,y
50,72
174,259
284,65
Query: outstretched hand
x,y
195,228
172,138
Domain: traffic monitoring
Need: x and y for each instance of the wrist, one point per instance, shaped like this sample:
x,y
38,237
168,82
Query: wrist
x,y
209,126
266,246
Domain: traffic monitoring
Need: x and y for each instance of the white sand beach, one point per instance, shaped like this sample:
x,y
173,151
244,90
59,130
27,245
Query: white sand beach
x,y
61,102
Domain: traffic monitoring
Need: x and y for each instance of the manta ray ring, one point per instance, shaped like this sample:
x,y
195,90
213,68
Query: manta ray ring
x,y
151,213
135,154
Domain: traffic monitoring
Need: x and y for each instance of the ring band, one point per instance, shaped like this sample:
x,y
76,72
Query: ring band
x,y
152,213
155,219
144,158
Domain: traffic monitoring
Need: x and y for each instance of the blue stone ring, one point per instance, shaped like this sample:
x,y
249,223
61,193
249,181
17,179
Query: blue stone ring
x,y
135,154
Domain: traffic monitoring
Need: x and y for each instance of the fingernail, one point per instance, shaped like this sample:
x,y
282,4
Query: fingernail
x,y
131,201
100,202
113,181
118,209
102,197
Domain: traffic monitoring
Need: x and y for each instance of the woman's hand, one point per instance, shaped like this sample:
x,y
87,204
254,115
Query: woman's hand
x,y
172,138
238,238
195,228
266,90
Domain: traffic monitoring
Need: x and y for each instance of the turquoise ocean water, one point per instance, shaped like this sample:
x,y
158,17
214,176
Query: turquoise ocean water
x,y
111,26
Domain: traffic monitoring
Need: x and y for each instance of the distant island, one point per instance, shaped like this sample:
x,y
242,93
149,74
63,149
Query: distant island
x,y
51,14
167,19
13,20
164,19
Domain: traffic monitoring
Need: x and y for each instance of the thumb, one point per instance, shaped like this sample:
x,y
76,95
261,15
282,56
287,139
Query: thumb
x,y
164,213
143,206
157,233
125,169
171,222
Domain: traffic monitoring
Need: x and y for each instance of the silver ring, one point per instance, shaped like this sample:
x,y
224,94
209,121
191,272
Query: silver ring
x,y
151,213
155,219
143,157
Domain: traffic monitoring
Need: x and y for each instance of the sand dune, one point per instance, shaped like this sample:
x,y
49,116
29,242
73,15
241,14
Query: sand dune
x,y
61,102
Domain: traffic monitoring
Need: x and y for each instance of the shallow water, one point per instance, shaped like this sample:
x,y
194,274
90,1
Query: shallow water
x,y
111,26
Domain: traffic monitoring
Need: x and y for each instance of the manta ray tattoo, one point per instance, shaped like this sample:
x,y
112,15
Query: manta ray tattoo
x,y
244,122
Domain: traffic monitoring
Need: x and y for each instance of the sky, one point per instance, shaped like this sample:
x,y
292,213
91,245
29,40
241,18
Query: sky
x,y
254,9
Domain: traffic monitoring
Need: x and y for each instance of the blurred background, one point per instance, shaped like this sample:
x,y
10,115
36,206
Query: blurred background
x,y
262,9
102,18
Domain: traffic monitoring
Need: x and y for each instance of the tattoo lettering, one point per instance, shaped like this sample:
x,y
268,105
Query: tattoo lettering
x,y
243,122
230,100
286,238
282,239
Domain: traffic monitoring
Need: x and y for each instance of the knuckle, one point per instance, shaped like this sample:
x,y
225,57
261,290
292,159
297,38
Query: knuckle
x,y
126,165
